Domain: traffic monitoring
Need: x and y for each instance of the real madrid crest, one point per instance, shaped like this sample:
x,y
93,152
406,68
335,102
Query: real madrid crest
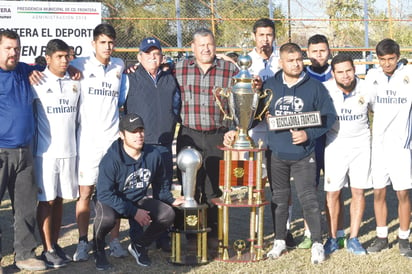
x,y
118,74
406,80
75,88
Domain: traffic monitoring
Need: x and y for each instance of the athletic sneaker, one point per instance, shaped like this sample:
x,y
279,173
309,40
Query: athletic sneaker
x,y
354,246
52,260
330,246
318,253
116,249
404,246
279,247
101,260
60,252
341,242
140,254
306,243
82,252
378,245
290,241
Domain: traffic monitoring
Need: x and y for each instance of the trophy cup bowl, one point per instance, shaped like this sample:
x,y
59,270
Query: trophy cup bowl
x,y
189,160
243,101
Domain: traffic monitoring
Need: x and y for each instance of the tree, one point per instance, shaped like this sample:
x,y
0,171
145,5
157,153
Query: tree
x,y
346,33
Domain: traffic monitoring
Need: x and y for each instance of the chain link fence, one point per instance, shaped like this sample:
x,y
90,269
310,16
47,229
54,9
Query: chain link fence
x,y
174,21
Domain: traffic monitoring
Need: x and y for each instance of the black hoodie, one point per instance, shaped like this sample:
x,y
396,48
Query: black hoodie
x,y
123,181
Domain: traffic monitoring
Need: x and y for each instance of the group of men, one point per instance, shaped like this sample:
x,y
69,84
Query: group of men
x,y
341,147
82,146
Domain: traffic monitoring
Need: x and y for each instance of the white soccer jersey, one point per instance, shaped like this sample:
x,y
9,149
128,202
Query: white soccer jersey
x,y
351,128
264,69
347,152
98,113
392,105
56,110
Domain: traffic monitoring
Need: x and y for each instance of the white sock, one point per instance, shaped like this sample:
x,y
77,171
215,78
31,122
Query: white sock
x,y
307,233
403,234
340,233
382,231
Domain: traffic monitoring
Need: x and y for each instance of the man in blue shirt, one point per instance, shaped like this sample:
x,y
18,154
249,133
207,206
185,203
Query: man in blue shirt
x,y
16,160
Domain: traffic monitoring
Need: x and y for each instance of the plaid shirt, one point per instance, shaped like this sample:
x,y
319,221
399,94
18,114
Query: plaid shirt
x,y
199,108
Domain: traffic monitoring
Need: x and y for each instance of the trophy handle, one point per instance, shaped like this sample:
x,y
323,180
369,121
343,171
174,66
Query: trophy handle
x,y
264,94
218,92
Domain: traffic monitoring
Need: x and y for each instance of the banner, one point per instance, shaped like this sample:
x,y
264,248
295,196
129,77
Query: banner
x,y
39,22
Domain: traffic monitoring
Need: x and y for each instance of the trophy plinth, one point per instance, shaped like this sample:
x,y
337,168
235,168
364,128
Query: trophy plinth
x,y
191,217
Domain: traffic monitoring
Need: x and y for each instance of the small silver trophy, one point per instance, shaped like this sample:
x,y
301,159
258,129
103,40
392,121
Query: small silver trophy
x,y
189,160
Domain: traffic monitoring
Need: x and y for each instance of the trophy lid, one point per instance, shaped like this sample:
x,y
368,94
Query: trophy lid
x,y
244,61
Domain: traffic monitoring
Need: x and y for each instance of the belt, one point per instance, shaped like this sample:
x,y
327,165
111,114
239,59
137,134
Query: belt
x,y
211,131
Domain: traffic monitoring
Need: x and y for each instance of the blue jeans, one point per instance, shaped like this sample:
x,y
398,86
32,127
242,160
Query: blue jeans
x,y
16,175
303,172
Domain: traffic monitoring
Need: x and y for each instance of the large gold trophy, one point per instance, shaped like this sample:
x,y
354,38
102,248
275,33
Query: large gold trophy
x,y
243,99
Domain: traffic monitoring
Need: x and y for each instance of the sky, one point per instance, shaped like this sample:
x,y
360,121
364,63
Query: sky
x,y
315,9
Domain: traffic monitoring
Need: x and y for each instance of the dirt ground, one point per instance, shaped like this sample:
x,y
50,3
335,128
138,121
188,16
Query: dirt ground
x,y
295,261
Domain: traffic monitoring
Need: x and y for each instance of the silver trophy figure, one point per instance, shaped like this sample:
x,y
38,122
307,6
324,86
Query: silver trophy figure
x,y
189,160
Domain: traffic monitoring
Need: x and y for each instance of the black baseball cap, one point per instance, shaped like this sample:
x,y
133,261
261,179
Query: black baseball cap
x,y
131,122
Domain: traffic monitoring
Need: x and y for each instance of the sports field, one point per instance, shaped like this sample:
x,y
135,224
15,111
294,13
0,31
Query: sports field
x,y
295,261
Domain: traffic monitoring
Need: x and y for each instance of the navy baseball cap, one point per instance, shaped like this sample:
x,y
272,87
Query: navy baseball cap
x,y
131,122
148,43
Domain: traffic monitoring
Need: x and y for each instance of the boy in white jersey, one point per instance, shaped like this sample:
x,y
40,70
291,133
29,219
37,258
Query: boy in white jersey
x,y
98,125
347,152
55,148
391,83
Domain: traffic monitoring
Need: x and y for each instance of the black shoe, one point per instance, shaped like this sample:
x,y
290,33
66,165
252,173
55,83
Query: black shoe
x,y
140,254
290,241
378,245
52,259
101,260
404,247
164,244
60,252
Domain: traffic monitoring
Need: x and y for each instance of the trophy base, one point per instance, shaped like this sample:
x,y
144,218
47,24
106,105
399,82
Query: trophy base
x,y
243,143
240,257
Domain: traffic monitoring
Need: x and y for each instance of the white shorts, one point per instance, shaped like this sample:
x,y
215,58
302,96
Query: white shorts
x,y
391,165
56,178
89,167
347,166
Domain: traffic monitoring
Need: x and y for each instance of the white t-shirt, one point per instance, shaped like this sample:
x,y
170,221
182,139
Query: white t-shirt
x,y
351,128
56,108
392,105
264,68
98,113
